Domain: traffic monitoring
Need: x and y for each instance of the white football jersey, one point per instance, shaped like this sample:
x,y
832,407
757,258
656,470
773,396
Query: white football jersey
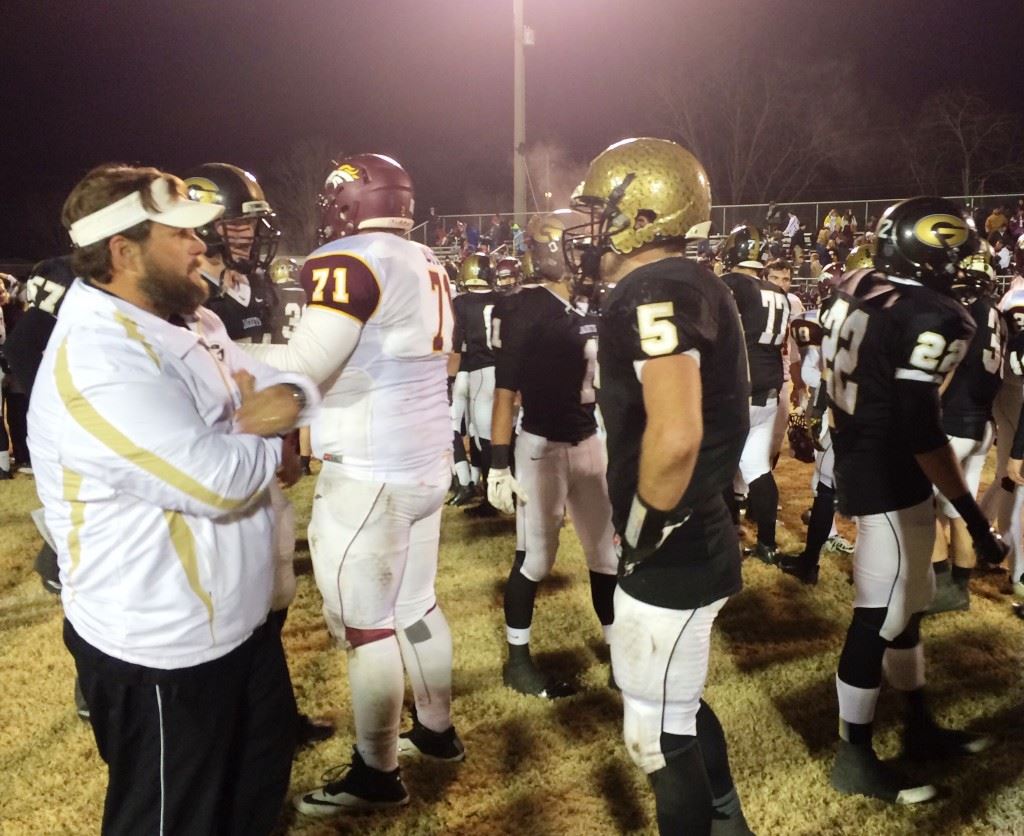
x,y
385,412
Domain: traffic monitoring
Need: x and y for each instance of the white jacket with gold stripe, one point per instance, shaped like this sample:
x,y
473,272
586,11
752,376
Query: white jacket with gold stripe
x,y
160,511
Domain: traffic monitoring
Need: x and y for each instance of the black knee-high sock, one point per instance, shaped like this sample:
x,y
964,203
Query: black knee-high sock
x,y
860,663
458,448
682,794
485,459
763,507
602,595
713,749
823,511
474,453
520,593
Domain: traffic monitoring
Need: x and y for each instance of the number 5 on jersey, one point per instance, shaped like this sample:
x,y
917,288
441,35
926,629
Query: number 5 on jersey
x,y
658,333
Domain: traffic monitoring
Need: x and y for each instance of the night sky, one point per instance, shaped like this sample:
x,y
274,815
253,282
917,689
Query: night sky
x,y
177,84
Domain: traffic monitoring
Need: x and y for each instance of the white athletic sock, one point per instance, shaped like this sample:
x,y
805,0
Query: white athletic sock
x,y
517,635
375,677
607,630
462,473
904,667
856,705
5,459
427,653
833,531
474,474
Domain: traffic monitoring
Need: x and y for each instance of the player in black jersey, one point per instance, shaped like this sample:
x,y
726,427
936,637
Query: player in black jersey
x,y
476,275
967,419
764,312
890,337
546,350
239,248
674,395
472,354
289,299
1005,496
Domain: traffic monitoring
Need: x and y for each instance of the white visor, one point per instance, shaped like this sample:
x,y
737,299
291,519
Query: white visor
x,y
404,224
172,208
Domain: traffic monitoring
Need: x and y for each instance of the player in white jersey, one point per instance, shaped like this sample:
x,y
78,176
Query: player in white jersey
x,y
376,335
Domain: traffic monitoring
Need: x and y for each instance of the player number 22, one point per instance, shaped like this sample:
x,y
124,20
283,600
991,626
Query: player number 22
x,y
658,333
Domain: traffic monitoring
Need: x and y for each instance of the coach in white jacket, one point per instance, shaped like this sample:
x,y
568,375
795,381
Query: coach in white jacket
x,y
154,442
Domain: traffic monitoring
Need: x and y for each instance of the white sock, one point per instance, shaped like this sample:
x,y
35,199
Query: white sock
x,y
607,630
427,653
375,677
833,531
856,705
5,459
474,474
462,473
517,635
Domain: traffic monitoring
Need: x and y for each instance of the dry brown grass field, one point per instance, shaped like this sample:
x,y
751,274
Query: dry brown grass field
x,y
559,768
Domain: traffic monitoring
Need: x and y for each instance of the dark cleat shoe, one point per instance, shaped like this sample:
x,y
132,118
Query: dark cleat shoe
x,y
463,496
933,742
361,788
858,771
484,509
440,746
311,731
526,679
800,568
949,596
766,554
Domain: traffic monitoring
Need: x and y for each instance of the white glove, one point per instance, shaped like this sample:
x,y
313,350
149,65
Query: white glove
x,y
501,484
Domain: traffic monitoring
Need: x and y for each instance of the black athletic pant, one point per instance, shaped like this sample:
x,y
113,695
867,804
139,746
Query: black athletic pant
x,y
200,751
17,421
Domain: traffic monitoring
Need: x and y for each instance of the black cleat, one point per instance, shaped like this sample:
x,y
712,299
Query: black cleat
x,y
766,554
484,509
440,746
463,496
949,596
362,788
858,771
800,568
523,676
933,742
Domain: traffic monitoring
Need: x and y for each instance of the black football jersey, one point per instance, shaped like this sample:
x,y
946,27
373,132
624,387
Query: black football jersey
x,y
878,330
967,400
674,306
27,339
289,303
244,309
764,312
547,351
471,337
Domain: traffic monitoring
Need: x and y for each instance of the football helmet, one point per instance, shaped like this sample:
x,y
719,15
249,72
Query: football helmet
x,y
285,268
247,234
544,246
476,272
364,191
508,274
742,248
828,280
976,275
860,258
636,192
924,238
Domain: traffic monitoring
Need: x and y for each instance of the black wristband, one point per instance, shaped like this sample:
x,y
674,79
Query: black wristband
x,y
645,525
1008,484
971,514
499,456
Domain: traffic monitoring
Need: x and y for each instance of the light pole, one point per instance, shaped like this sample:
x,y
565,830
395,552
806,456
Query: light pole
x,y
519,114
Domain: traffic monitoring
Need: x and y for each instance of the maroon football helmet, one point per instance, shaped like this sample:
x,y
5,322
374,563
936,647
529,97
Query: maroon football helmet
x,y
365,191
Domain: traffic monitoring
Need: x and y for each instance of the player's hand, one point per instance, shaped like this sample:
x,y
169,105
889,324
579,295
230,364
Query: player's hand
x,y
1013,468
991,548
501,485
268,412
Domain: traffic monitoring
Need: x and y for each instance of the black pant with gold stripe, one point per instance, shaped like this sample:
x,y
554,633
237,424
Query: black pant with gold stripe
x,y
199,750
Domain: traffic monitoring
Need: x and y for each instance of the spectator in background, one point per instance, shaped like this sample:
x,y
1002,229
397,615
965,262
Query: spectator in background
x,y
793,225
821,247
472,238
1001,256
494,229
832,222
996,221
1016,223
518,241
814,266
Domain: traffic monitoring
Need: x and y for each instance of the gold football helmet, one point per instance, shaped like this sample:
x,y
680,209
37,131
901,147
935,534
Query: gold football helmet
x,y
476,271
544,245
643,190
860,258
